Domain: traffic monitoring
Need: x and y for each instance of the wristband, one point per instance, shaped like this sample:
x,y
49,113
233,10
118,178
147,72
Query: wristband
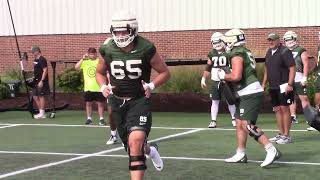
x,y
103,87
151,86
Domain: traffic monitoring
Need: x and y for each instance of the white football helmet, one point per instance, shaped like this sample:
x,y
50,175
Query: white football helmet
x,y
290,38
234,37
217,41
124,21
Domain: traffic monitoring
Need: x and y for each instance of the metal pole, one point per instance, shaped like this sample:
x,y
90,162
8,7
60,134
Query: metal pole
x,y
30,105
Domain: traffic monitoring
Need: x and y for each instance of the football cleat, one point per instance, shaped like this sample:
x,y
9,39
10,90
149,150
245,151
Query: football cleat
x,y
276,138
272,155
284,140
294,120
234,123
102,122
156,159
237,158
39,116
88,122
212,124
112,140
311,129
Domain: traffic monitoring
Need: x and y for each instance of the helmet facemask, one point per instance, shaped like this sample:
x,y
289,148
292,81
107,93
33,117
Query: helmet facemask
x,y
123,40
217,41
290,39
290,43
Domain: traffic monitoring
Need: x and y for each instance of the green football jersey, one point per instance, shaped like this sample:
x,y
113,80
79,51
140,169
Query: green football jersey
x,y
296,52
219,60
127,69
249,74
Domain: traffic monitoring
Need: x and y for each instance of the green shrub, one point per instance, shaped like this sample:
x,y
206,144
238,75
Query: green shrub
x,y
12,74
4,91
311,86
183,79
70,80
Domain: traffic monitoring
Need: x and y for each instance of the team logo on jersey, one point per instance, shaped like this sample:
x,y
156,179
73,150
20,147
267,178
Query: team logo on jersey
x,y
288,101
143,120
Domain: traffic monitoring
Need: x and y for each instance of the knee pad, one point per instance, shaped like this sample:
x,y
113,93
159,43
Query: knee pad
x,y
140,167
253,132
138,158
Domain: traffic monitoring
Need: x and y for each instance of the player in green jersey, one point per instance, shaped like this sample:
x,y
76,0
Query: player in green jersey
x,y
250,93
218,58
129,58
301,57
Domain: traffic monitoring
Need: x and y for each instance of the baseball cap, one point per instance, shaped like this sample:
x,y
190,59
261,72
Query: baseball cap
x,y
273,36
35,48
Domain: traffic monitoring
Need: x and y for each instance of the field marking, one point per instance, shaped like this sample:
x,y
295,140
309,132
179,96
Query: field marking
x,y
163,157
7,126
158,127
88,155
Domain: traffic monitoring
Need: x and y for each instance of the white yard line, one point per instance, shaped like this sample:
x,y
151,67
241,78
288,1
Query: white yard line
x,y
163,157
7,126
159,127
87,156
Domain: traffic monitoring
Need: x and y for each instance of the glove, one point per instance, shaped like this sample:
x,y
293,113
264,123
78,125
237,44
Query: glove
x,y
203,82
221,74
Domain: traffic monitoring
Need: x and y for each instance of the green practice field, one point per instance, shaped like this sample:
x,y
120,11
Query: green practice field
x,y
64,149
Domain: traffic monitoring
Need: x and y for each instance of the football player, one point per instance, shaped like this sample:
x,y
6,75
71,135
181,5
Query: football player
x,y
250,93
217,59
301,57
129,58
317,85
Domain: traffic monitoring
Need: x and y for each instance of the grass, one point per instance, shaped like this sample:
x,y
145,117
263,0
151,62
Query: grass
x,y
208,147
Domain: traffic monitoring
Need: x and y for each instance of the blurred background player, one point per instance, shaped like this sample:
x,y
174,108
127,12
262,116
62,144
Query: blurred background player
x,y
88,65
251,97
218,58
129,58
301,57
113,128
41,88
113,138
317,85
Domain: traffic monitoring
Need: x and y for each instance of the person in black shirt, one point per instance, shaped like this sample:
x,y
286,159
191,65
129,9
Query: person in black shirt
x,y
280,72
41,89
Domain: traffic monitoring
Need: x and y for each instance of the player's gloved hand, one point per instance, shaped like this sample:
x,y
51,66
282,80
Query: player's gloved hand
x,y
303,81
221,74
203,83
148,87
106,90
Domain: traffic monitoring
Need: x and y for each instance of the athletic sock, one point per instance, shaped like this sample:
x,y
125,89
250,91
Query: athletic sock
x,y
232,110
113,133
269,146
214,109
241,151
41,111
89,117
101,118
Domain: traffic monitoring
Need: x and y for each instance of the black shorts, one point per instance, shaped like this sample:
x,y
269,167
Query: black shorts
x,y
93,96
45,90
281,99
129,115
